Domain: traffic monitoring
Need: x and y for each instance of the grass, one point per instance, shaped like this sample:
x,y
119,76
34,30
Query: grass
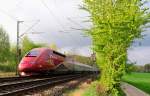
x,y
139,80
91,91
78,90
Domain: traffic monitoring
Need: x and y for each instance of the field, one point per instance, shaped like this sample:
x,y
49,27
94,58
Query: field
x,y
139,80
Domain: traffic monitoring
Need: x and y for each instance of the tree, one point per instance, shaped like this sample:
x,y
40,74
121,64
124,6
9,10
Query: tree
x,y
27,45
4,45
53,46
147,67
116,23
131,67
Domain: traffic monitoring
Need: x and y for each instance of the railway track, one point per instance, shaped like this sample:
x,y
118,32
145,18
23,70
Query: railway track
x,y
22,85
11,79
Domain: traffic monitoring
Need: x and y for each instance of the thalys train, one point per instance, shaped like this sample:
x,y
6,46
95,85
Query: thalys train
x,y
48,61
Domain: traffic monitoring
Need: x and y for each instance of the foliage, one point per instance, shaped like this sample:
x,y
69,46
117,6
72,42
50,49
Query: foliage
x,y
91,91
116,23
53,46
27,45
147,67
137,68
10,64
139,80
7,59
4,45
129,68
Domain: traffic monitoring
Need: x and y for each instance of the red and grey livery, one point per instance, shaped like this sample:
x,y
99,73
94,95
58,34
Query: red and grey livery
x,y
45,60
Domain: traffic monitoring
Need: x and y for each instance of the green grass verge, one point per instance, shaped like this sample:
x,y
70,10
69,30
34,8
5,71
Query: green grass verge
x,y
91,91
139,80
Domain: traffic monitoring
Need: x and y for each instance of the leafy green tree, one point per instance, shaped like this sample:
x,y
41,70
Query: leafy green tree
x,y
53,46
131,67
147,67
4,45
27,45
116,23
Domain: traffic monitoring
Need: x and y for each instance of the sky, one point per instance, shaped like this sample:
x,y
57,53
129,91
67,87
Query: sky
x,y
59,22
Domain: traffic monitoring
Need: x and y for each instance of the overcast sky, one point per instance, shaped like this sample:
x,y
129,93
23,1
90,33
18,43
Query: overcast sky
x,y
58,21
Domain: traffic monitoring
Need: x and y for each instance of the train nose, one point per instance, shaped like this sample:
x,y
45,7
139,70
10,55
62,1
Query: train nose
x,y
25,66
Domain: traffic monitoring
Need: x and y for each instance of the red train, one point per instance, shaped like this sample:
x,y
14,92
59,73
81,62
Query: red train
x,y
45,60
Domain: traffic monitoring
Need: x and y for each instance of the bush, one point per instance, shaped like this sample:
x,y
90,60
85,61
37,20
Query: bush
x,y
9,66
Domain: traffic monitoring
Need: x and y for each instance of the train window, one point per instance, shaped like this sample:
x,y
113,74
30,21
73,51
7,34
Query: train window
x,y
33,53
57,53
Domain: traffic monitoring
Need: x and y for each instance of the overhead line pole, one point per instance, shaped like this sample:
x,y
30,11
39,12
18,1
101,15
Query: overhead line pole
x,y
18,50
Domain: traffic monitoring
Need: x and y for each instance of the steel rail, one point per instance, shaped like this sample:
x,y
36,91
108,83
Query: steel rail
x,y
19,87
9,79
28,81
17,78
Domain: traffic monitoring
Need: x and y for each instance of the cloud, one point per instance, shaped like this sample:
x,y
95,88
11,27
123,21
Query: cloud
x,y
140,55
84,50
54,20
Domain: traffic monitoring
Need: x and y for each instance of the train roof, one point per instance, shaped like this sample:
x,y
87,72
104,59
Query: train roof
x,y
44,49
41,49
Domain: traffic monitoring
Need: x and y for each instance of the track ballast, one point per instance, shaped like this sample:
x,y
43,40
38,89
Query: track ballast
x,y
23,85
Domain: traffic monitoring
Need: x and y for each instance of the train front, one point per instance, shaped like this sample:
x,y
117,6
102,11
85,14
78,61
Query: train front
x,y
36,62
28,65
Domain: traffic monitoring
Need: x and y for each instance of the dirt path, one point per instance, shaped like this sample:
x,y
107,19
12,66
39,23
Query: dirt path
x,y
132,91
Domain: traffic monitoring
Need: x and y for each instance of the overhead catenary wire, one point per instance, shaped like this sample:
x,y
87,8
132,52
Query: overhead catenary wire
x,y
29,28
52,14
10,16
18,2
74,29
72,21
15,18
58,21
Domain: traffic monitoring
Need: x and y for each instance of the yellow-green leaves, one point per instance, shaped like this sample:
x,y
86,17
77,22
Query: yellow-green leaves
x,y
116,23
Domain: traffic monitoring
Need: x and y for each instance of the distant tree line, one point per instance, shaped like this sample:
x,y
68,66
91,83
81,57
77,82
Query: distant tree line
x,y
4,45
137,68
27,45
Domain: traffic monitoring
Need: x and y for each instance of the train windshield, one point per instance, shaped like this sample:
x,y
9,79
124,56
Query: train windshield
x,y
33,53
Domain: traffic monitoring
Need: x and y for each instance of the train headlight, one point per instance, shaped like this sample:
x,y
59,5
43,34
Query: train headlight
x,y
40,66
23,73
